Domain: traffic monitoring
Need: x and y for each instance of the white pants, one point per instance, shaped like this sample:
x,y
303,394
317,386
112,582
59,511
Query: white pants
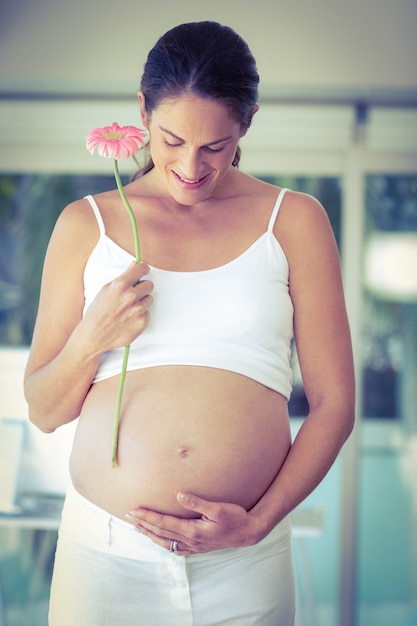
x,y
108,574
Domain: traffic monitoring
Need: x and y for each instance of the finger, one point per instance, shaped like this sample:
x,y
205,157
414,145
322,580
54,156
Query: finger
x,y
134,273
172,544
208,510
179,546
159,523
176,548
158,526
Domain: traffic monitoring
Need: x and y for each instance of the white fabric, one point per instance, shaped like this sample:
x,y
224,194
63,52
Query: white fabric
x,y
108,574
237,317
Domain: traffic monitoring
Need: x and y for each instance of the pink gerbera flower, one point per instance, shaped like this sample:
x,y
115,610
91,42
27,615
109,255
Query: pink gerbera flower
x,y
116,141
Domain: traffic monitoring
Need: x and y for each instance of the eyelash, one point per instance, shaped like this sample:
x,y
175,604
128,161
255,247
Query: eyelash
x,y
171,145
214,149
178,145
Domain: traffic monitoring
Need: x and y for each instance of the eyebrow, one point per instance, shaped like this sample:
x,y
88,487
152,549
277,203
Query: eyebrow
x,y
211,143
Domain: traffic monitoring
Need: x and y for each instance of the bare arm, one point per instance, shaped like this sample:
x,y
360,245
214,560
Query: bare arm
x,y
325,355
66,346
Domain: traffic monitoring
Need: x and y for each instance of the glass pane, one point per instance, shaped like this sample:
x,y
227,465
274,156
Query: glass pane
x,y
388,478
29,207
390,276
26,560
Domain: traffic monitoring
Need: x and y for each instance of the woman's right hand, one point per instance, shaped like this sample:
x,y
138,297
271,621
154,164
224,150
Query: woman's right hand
x,y
120,311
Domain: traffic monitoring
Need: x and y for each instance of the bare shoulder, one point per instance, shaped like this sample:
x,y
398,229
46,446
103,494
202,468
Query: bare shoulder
x,y
303,227
74,236
304,231
77,215
62,293
76,230
302,211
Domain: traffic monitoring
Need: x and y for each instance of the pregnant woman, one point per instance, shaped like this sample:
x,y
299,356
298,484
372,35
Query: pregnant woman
x,y
191,527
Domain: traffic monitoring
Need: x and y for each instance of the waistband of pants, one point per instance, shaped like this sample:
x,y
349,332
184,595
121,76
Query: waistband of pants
x,y
96,529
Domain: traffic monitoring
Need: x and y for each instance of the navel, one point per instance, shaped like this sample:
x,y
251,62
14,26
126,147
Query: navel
x,y
184,452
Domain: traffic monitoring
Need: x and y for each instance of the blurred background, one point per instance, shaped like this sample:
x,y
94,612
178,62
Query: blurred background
x,y
338,119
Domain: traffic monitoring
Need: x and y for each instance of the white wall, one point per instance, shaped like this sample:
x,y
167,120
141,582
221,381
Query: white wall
x,y
100,46
44,462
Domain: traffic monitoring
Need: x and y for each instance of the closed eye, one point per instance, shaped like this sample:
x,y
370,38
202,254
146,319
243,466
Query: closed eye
x,y
207,148
172,145
214,149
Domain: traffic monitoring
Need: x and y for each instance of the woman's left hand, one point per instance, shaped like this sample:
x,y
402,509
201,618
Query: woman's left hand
x,y
219,525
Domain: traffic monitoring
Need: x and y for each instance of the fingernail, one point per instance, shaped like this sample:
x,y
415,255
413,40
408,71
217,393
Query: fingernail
x,y
134,515
182,497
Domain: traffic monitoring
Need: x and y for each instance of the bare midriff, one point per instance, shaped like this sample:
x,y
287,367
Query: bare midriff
x,y
210,432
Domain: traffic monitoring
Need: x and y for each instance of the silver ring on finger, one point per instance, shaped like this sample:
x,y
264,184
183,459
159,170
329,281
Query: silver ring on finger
x,y
173,546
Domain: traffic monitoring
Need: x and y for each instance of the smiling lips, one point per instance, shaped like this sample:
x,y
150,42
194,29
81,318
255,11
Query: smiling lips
x,y
190,181
187,181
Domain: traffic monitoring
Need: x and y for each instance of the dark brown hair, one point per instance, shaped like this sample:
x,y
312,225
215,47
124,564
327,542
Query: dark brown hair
x,y
206,59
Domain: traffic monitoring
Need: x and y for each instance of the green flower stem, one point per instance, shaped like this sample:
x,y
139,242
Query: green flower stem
x,y
127,348
129,210
118,407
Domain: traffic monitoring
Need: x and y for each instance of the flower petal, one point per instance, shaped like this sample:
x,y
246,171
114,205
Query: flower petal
x,y
116,141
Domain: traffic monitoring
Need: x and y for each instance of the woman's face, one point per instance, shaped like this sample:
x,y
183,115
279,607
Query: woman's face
x,y
193,142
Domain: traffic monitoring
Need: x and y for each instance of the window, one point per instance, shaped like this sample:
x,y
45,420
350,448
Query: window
x,y
29,207
390,277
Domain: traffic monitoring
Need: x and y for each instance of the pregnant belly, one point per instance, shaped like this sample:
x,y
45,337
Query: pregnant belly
x,y
212,433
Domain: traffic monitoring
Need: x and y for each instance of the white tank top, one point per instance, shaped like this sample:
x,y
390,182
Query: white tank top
x,y
237,317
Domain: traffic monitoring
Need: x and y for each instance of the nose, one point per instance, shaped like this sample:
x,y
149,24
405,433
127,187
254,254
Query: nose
x,y
190,164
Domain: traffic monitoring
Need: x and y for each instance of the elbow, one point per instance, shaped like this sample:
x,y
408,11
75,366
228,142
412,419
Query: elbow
x,y
350,424
37,416
38,420
48,418
348,418
37,412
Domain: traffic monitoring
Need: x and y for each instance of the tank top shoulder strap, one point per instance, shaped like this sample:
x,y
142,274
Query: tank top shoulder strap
x,y
275,210
97,213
